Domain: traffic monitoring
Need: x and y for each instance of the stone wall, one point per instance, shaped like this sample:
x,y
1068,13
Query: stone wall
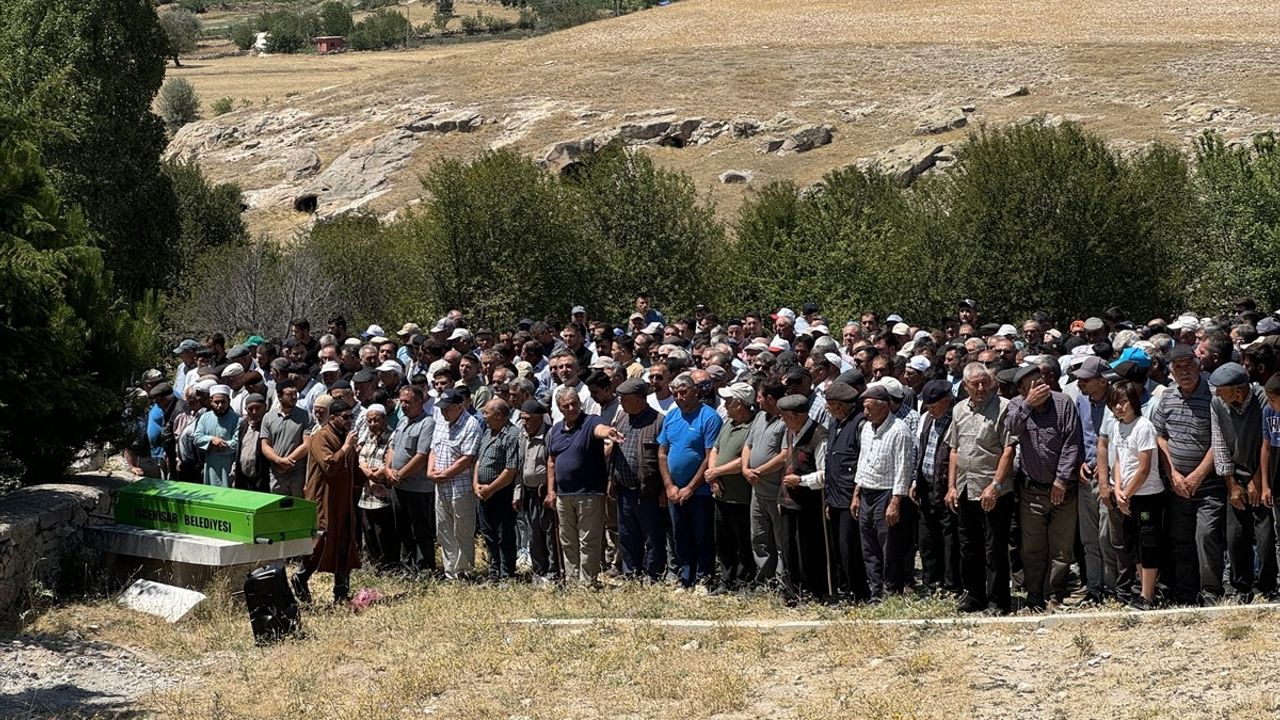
x,y
41,544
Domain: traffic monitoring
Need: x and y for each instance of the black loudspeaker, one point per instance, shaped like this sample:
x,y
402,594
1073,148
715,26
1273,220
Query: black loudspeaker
x,y
273,611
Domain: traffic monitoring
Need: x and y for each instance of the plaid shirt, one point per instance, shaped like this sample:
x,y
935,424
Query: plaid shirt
x,y
451,442
885,461
499,451
373,448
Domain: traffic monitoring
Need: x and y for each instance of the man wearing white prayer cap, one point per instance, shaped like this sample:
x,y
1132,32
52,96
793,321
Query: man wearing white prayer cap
x,y
215,433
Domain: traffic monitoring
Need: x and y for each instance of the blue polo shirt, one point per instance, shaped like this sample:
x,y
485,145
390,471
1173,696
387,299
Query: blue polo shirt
x,y
687,438
579,456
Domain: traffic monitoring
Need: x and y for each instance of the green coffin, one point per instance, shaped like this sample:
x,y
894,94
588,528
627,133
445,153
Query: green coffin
x,y
224,513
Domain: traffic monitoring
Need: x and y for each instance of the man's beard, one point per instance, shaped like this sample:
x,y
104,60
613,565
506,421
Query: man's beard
x,y
220,412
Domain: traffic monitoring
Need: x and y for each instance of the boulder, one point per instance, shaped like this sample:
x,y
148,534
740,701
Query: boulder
x,y
562,156
736,177
745,127
1200,112
1012,91
681,134
907,161
779,122
443,123
858,113
941,120
771,145
708,131
358,175
644,131
806,138
300,164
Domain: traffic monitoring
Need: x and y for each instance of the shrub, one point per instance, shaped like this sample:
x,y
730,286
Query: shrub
x,y
472,25
444,7
382,29
527,19
195,6
208,214
243,34
221,106
335,19
177,104
290,31
182,28
497,25
561,14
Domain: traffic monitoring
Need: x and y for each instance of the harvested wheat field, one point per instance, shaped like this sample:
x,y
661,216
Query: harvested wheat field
x,y
450,652
876,73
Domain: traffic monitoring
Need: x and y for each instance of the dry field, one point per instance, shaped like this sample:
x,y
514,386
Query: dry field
x,y
450,652
869,68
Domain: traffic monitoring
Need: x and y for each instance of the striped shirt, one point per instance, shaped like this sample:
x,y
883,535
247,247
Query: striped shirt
x,y
885,461
1186,423
450,442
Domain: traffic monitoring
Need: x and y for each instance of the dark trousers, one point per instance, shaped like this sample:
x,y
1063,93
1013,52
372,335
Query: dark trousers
x,y
544,537
642,534
381,542
415,514
885,549
733,544
804,551
845,543
984,551
1048,541
691,525
1197,538
1247,529
939,532
498,529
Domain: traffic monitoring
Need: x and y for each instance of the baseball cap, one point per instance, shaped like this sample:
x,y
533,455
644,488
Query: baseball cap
x,y
653,328
374,331
1135,355
967,303
449,398
784,312
1007,330
444,324
778,345
900,328
189,345
738,391
1091,367
892,319
892,386
460,334
391,366
919,363
329,367
633,386
409,328
578,309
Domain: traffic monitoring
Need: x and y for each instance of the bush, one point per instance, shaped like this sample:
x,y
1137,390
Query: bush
x,y
221,106
195,6
1240,216
561,14
182,28
335,19
472,25
243,34
444,7
527,19
498,25
290,31
382,29
69,344
177,104
208,214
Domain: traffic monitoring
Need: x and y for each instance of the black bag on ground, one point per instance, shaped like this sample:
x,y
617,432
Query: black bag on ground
x,y
273,611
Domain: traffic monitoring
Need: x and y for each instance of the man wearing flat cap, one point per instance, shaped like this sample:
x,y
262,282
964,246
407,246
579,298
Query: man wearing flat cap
x,y
805,565
939,532
636,483
1237,416
848,572
1196,516
1047,429
531,493
880,497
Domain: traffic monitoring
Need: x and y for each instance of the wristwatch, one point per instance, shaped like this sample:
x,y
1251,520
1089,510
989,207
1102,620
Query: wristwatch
x,y
999,486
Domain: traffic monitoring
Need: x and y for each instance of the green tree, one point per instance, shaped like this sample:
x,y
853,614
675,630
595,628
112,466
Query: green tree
x,y
1240,191
182,28
208,213
178,103
1042,218
503,239
70,345
289,31
90,69
335,19
383,28
670,227
244,34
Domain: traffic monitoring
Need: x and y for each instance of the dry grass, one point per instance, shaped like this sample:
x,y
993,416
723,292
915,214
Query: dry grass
x,y
447,652
1119,66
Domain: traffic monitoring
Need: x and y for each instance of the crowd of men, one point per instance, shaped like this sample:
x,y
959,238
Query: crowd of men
x,y
1098,459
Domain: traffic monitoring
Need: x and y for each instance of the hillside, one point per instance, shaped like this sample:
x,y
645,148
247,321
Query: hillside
x,y
872,72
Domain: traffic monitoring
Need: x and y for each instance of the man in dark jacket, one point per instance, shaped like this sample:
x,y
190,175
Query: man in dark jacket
x,y
848,571
939,530
634,478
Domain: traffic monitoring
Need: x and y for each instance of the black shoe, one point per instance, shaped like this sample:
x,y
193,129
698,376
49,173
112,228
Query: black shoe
x,y
1137,602
970,604
300,589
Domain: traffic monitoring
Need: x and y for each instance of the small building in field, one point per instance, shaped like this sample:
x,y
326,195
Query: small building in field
x,y
329,44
